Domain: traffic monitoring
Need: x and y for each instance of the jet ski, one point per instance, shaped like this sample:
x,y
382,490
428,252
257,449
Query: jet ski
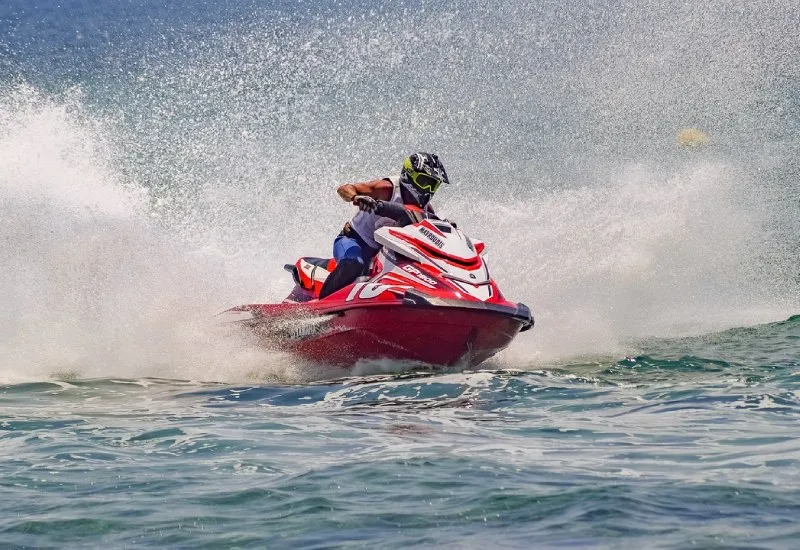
x,y
428,298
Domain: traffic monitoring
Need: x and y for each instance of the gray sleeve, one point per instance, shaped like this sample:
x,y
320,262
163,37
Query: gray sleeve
x,y
400,214
395,211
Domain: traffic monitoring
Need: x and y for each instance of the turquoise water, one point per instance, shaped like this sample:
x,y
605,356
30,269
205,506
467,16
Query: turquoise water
x,y
159,164
673,451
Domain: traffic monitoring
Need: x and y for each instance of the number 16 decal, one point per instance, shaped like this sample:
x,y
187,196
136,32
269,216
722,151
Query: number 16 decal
x,y
367,291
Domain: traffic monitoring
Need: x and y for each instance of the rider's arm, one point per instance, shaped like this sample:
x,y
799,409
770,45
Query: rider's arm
x,y
399,213
392,210
377,189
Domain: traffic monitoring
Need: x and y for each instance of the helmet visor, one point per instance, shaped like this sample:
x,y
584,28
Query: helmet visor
x,y
424,182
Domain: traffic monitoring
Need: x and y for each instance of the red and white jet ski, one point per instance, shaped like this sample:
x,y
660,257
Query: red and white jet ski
x,y
429,298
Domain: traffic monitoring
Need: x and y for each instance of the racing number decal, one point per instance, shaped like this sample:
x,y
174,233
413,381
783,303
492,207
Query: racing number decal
x,y
368,291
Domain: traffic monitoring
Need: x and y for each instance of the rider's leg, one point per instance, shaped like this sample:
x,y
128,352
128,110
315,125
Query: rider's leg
x,y
349,265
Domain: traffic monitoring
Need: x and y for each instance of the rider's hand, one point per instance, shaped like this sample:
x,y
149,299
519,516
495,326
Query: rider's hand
x,y
365,203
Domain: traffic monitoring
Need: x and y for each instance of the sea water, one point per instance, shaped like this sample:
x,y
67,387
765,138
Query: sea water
x,y
160,162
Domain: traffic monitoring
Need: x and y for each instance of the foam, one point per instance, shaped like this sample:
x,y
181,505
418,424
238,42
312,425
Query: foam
x,y
131,215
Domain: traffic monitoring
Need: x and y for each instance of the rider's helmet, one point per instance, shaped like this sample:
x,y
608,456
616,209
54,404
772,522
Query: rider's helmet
x,y
421,176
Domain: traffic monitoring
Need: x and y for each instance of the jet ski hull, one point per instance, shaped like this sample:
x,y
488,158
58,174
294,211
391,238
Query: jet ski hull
x,y
428,298
433,335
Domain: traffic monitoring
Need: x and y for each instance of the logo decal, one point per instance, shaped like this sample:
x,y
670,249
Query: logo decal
x,y
419,274
431,237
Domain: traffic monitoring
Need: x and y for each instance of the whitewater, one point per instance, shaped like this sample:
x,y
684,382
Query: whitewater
x,y
159,164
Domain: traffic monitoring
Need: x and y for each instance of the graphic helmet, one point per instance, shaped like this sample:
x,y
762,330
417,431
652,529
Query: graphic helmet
x,y
421,176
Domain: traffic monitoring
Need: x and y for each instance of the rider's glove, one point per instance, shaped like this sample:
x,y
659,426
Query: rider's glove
x,y
365,203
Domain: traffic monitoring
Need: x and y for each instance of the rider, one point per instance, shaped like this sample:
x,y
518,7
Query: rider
x,y
380,203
